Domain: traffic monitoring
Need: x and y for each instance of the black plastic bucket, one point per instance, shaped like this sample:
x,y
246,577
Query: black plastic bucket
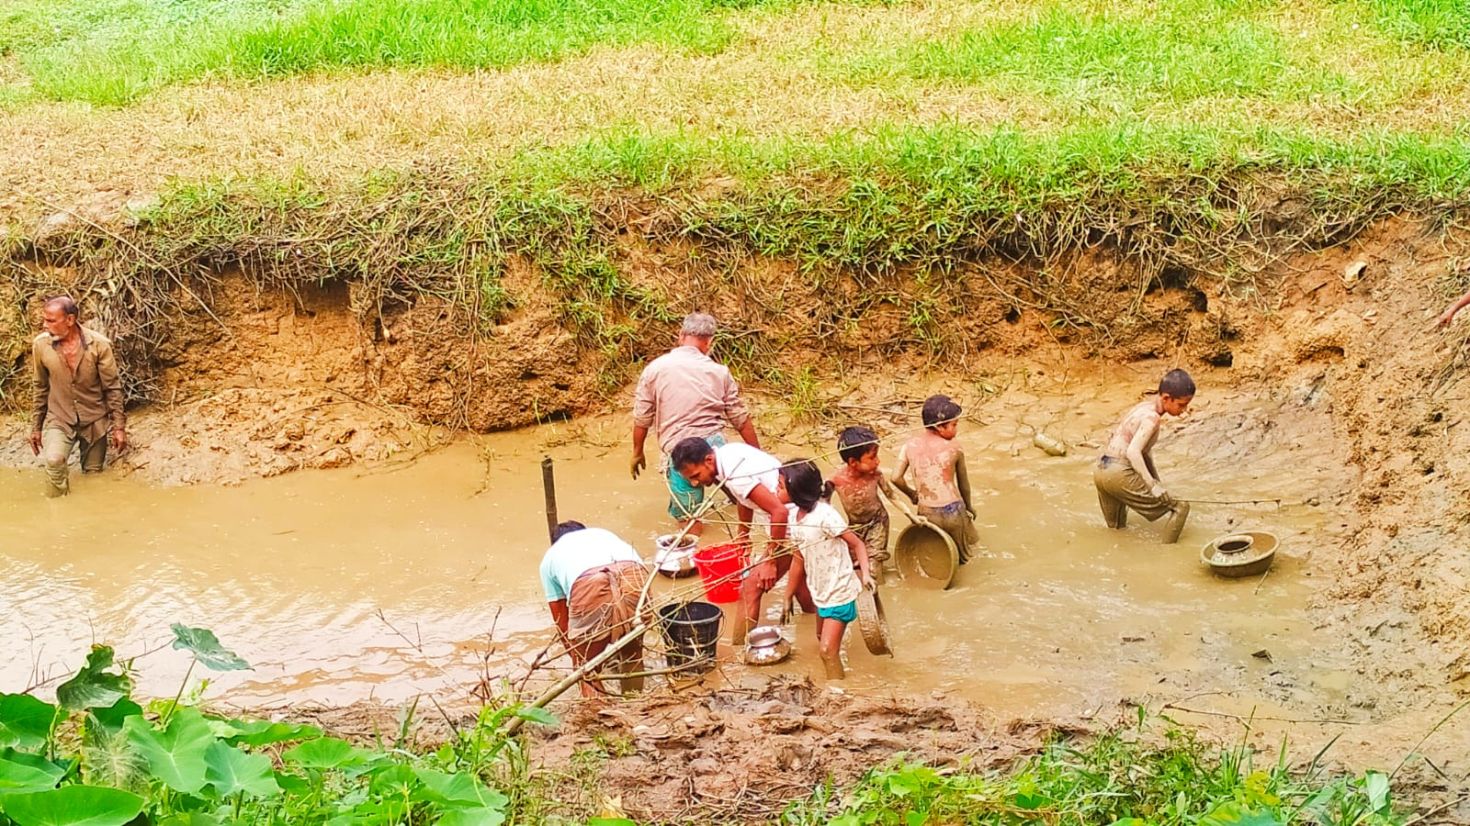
x,y
692,630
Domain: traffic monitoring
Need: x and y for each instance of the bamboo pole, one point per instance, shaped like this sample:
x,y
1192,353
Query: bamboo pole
x,y
548,487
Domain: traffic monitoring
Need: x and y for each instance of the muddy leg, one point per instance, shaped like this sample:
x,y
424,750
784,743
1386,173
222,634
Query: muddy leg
x,y
56,445
1174,525
749,613
1114,512
581,653
630,661
94,455
829,634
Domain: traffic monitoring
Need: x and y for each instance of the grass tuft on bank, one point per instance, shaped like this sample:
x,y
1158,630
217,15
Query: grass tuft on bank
x,y
920,218
1119,778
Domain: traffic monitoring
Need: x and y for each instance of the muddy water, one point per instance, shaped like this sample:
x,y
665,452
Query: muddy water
x,y
351,584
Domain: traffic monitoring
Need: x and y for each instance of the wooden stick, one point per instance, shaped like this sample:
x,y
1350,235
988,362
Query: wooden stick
x,y
1276,502
548,487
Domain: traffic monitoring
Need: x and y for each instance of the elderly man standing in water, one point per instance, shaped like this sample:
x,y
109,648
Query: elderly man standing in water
x,y
685,393
593,582
79,398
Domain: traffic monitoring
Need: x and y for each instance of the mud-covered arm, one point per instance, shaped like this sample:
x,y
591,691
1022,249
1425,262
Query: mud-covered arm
x,y
737,413
42,383
898,474
762,497
645,407
794,576
1449,315
962,479
884,487
859,553
559,615
112,391
1138,451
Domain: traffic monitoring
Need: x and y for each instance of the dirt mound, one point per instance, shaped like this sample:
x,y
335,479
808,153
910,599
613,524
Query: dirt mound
x,y
744,754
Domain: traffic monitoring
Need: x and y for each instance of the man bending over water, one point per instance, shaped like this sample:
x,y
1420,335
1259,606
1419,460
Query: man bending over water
x,y
1125,475
593,581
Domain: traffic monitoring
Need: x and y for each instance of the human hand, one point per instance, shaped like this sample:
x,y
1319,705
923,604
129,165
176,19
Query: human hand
x,y
639,463
1445,318
765,574
36,442
970,514
119,440
868,583
1158,491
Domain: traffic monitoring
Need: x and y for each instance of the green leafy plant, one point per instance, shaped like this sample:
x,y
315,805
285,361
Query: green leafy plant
x,y
186,767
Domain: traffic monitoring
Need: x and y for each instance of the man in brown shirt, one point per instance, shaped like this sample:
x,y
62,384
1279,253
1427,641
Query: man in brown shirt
x,y
685,393
79,398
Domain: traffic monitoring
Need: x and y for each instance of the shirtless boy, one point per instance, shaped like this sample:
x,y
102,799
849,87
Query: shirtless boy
x,y
941,485
858,483
1125,475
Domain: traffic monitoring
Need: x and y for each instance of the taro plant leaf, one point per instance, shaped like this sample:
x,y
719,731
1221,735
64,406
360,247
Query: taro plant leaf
x,y
192,819
323,753
1234,814
395,782
474,817
112,717
94,686
230,770
25,721
176,754
457,791
265,733
74,805
20,772
205,646
109,759
293,783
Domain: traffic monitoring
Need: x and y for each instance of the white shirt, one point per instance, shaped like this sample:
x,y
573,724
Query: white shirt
x,y
825,556
740,467
577,553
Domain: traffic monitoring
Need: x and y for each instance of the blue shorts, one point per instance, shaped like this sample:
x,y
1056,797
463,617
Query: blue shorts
x,y
684,498
846,612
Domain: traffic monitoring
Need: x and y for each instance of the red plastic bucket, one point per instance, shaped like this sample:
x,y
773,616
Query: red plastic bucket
x,y
719,566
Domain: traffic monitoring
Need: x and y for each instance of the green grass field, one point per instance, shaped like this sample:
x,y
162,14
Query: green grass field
x,y
434,138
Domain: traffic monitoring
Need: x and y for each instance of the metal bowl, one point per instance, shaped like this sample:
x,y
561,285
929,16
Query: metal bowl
x,y
764,636
766,646
678,561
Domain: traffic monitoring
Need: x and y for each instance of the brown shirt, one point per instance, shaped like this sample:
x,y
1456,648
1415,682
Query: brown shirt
x,y
685,393
89,400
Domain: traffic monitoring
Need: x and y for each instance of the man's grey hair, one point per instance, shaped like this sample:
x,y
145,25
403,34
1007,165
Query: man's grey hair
x,y
63,303
698,325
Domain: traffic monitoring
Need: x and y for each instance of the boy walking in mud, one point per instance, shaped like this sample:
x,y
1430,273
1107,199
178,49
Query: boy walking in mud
x,y
1125,475
858,484
824,558
941,486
